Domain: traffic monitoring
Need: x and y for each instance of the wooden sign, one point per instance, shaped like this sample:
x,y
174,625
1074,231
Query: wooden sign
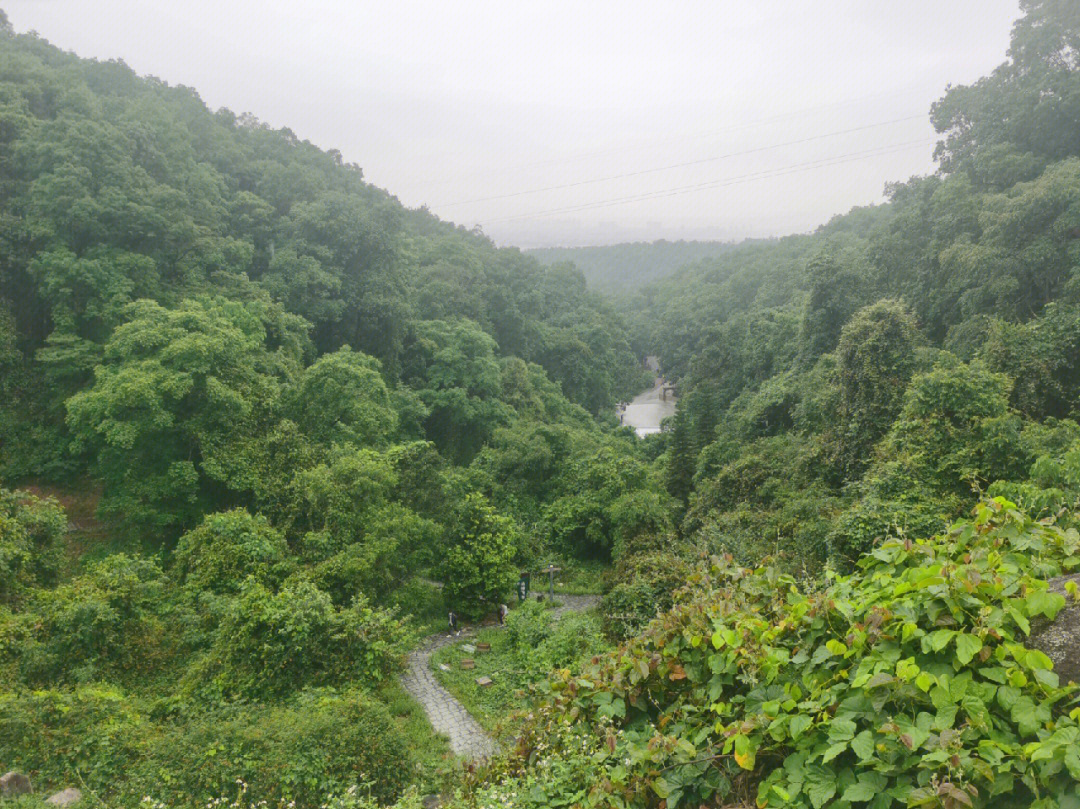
x,y
468,663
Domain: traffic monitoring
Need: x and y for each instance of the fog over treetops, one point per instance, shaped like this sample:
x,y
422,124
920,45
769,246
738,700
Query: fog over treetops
x,y
311,498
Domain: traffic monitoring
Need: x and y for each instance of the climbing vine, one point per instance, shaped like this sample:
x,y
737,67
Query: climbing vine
x,y
907,683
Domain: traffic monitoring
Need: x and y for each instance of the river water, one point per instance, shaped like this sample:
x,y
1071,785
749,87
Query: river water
x,y
648,409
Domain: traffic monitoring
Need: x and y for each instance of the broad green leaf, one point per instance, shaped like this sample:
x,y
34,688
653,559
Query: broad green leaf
x,y
939,639
863,745
661,787
841,729
799,723
1045,603
967,646
820,793
833,751
1037,660
745,752
836,647
925,681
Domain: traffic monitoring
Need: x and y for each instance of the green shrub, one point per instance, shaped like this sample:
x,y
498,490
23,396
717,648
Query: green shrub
x,y
14,637
872,520
379,561
30,544
646,584
574,637
479,568
423,601
323,743
627,608
108,621
271,644
908,683
227,548
94,733
528,626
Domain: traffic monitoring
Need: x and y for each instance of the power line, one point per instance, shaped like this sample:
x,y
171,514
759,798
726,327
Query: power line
x,y
686,164
760,175
738,127
722,183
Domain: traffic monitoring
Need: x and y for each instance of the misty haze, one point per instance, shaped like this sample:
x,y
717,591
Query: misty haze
x,y
540,406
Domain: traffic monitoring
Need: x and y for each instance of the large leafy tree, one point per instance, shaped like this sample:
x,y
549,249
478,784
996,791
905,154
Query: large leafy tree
x,y
342,399
227,548
876,358
452,367
478,569
611,502
1030,104
837,279
176,391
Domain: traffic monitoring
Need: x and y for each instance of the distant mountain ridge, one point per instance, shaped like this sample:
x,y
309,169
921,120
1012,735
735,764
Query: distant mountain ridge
x,y
621,268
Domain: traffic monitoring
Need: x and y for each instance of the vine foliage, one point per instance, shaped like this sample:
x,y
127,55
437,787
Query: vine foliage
x,y
907,683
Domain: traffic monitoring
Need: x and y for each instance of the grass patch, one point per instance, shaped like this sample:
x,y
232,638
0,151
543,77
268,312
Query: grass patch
x,y
532,644
577,577
491,704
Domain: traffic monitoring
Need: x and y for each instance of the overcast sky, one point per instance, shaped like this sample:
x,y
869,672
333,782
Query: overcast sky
x,y
569,123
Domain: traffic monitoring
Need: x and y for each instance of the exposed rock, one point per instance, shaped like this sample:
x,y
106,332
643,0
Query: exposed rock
x,y
67,797
1060,639
431,802
13,784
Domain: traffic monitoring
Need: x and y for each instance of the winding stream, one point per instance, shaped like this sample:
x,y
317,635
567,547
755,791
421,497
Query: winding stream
x,y
648,409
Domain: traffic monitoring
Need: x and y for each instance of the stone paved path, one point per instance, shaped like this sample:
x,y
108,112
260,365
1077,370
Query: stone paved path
x,y
446,714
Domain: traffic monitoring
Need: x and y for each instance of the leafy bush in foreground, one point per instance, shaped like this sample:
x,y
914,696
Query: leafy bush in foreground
x,y
325,743
95,732
270,644
30,533
905,684
111,620
99,736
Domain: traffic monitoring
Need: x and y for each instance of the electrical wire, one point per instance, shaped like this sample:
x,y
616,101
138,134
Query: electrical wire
x,y
640,172
739,127
724,182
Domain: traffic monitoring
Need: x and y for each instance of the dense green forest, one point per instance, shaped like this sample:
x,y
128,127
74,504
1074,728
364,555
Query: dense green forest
x,y
847,398
251,408
274,404
621,268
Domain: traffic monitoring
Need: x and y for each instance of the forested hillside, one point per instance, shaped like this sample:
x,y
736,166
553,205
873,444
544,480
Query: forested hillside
x,y
272,405
875,377
253,412
849,399
618,269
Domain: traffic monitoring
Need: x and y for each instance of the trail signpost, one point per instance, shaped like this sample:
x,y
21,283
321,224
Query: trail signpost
x,y
551,570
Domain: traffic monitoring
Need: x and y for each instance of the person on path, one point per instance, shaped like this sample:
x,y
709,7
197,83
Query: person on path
x,y
503,609
453,623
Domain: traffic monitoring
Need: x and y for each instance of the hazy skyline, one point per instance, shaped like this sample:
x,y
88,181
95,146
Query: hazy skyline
x,y
566,124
